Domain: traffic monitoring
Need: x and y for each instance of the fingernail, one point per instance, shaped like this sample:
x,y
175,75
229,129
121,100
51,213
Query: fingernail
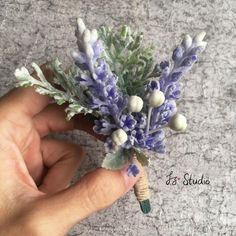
x,y
130,180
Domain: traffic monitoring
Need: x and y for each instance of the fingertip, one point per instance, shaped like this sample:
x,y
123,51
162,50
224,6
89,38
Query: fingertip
x,y
104,187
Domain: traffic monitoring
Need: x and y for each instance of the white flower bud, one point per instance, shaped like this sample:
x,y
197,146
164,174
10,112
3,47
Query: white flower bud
x,y
178,122
21,73
88,50
81,26
199,37
75,55
119,137
187,42
135,104
93,36
86,36
156,98
201,44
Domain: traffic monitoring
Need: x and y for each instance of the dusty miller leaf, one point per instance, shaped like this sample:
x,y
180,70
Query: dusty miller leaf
x,y
74,109
131,62
115,161
68,91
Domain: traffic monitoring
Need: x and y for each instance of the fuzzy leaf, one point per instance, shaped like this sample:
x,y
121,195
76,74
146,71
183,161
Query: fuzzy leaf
x,y
74,109
130,61
24,78
67,92
115,161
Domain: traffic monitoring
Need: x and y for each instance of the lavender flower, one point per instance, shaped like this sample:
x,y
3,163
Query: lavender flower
x,y
127,122
173,91
140,119
184,56
97,78
162,114
103,126
152,85
109,146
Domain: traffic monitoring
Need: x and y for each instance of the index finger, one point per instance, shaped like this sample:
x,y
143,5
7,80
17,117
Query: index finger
x,y
53,119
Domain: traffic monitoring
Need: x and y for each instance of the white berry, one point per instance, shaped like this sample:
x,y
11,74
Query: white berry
x,y
135,104
119,137
156,98
178,122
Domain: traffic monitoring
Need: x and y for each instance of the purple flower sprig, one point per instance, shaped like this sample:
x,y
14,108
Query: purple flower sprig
x,y
97,79
184,56
118,119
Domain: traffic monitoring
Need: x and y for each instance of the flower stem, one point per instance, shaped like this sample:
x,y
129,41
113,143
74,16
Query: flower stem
x,y
155,130
148,119
141,189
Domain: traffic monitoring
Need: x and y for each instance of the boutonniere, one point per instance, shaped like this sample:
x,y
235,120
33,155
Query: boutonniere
x,y
131,96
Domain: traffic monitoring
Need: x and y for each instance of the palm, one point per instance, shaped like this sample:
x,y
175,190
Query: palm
x,y
27,149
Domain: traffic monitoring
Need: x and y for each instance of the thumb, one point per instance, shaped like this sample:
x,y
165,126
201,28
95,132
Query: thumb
x,y
95,191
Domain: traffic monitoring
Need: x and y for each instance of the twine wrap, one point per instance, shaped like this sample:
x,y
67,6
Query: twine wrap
x,y
141,189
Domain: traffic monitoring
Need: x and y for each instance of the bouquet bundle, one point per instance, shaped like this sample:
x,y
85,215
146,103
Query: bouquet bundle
x,y
132,98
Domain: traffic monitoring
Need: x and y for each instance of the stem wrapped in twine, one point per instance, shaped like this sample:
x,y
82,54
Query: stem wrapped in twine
x,y
141,189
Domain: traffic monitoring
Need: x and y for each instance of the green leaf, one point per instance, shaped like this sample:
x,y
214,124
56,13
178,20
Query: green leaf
x,y
128,59
115,161
142,158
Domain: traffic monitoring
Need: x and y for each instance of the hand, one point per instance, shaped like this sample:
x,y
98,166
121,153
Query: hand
x,y
35,171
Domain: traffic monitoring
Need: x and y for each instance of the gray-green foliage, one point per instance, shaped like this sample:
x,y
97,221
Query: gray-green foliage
x,y
62,88
115,161
128,59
